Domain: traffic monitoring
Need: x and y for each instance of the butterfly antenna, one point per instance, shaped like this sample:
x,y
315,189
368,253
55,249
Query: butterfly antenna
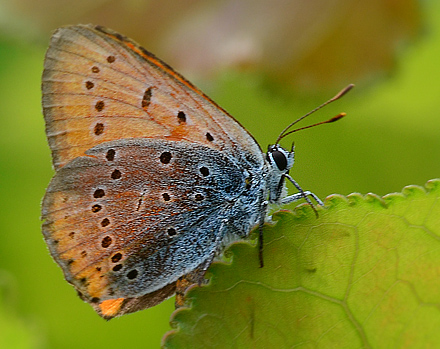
x,y
341,93
333,119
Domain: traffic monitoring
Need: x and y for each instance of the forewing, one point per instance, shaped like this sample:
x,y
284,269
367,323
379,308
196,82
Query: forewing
x,y
100,86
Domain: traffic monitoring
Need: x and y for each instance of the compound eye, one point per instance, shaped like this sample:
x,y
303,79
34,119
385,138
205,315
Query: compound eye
x,y
280,160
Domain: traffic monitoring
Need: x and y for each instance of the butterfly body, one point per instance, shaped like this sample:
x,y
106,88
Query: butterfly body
x,y
152,177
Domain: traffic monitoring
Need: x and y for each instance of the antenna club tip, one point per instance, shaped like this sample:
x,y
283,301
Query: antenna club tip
x,y
348,88
343,92
337,117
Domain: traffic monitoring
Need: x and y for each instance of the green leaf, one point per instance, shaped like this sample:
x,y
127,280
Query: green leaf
x,y
366,273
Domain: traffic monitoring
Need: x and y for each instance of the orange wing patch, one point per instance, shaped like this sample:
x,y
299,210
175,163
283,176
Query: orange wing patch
x,y
111,307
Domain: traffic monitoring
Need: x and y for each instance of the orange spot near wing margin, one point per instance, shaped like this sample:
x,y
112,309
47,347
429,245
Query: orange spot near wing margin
x,y
111,308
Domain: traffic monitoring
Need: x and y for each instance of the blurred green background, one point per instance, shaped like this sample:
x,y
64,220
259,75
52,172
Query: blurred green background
x,y
266,65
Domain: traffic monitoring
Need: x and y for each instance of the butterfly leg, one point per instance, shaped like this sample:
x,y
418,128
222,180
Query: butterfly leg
x,y
260,233
299,196
302,194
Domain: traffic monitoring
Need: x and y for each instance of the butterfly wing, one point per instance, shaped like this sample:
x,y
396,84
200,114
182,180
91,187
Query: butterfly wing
x,y
99,86
120,232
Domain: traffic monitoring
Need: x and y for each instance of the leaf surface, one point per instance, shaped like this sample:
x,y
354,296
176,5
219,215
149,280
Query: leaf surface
x,y
366,273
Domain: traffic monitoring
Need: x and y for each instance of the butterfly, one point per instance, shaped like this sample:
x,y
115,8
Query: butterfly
x,y
152,177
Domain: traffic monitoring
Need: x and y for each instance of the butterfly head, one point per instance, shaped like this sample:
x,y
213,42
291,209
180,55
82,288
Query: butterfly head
x,y
279,161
